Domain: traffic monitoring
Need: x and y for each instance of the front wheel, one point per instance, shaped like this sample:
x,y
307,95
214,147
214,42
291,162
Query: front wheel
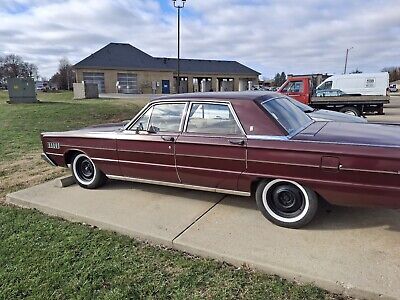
x,y
86,173
286,203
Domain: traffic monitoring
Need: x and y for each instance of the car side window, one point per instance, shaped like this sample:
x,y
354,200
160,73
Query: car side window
x,y
326,86
161,118
166,117
294,87
143,122
297,87
212,119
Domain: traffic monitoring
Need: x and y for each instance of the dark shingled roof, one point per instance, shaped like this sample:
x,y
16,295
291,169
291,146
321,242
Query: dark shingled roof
x,y
127,57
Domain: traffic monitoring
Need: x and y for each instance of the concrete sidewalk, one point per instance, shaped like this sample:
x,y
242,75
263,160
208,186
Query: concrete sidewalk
x,y
350,251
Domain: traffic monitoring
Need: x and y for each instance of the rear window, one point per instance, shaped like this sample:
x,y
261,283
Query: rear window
x,y
291,117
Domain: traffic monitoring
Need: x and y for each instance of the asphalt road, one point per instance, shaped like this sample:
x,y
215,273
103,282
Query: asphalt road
x,y
391,110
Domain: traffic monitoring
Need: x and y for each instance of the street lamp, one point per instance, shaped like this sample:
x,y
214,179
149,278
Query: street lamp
x,y
179,7
347,56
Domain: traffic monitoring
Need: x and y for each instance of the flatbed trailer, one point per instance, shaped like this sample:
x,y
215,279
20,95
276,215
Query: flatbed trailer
x,y
358,105
301,89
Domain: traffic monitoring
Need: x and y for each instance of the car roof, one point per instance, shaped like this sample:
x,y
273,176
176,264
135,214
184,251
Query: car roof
x,y
221,96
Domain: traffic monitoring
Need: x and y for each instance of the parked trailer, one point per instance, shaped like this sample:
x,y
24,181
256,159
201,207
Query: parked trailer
x,y
301,89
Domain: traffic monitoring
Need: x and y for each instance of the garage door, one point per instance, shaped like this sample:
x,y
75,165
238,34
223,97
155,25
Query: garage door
x,y
127,83
94,77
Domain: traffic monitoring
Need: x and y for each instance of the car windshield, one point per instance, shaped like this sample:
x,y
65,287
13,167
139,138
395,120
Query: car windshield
x,y
289,115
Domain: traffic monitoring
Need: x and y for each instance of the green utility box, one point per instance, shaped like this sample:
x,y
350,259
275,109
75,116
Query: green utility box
x,y
21,90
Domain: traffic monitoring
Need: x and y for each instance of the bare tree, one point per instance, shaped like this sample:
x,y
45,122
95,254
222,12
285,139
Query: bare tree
x,y
394,73
14,66
65,76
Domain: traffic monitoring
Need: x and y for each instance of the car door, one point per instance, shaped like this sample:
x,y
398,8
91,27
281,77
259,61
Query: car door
x,y
295,89
211,151
146,150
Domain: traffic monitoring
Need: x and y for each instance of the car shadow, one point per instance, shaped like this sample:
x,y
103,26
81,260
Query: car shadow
x,y
329,217
163,191
332,217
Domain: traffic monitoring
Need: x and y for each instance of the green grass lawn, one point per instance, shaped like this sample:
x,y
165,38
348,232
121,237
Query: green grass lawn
x,y
21,124
47,258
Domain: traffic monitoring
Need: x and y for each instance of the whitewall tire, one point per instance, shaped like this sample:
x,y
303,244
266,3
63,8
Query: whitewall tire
x,y
286,203
86,173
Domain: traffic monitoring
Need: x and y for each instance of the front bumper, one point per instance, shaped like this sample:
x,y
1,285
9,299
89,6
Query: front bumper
x,y
48,159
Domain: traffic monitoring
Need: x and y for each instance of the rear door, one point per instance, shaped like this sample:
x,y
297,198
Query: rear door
x,y
212,149
147,149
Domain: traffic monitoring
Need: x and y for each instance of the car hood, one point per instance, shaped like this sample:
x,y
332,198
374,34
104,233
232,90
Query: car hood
x,y
328,115
103,128
352,133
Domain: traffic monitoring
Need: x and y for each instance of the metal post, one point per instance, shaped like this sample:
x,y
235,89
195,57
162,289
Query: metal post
x,y
347,56
177,6
179,48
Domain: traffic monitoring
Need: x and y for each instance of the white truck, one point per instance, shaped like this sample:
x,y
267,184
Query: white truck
x,y
354,94
362,84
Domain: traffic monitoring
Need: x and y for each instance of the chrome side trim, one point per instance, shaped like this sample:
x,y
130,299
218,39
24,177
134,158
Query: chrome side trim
x,y
104,159
47,159
268,137
86,147
57,154
344,143
283,163
180,185
317,181
212,157
370,171
146,152
208,169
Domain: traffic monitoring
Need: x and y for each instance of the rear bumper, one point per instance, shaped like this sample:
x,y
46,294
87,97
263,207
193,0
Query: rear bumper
x,y
48,159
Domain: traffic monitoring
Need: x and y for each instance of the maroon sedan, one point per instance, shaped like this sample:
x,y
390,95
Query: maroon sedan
x,y
243,144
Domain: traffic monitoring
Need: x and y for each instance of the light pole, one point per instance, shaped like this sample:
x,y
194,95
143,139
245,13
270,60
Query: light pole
x,y
347,56
179,7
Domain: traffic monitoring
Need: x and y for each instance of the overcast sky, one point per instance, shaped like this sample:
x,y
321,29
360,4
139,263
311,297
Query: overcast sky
x,y
308,36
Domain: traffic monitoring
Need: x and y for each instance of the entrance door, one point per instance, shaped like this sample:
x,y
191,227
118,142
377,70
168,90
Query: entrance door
x,y
146,150
211,152
165,87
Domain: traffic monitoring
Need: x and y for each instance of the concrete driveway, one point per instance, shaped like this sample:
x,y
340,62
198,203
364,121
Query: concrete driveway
x,y
345,250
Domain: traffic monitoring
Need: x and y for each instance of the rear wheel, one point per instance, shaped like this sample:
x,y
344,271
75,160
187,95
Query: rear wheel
x,y
350,110
86,173
286,203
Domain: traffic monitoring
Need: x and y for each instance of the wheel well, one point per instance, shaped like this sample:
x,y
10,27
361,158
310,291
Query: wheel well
x,y
69,156
255,183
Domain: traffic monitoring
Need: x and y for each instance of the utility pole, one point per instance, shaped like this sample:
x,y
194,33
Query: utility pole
x,y
179,7
347,56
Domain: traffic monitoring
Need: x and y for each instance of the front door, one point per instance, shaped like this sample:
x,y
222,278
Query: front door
x,y
165,87
295,89
211,151
147,149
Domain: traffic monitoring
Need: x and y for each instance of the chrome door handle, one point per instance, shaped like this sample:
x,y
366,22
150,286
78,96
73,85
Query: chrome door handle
x,y
237,142
168,138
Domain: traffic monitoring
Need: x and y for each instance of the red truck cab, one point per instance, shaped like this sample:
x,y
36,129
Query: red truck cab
x,y
298,88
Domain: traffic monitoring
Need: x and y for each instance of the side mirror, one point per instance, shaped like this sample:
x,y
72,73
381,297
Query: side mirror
x,y
153,129
139,128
